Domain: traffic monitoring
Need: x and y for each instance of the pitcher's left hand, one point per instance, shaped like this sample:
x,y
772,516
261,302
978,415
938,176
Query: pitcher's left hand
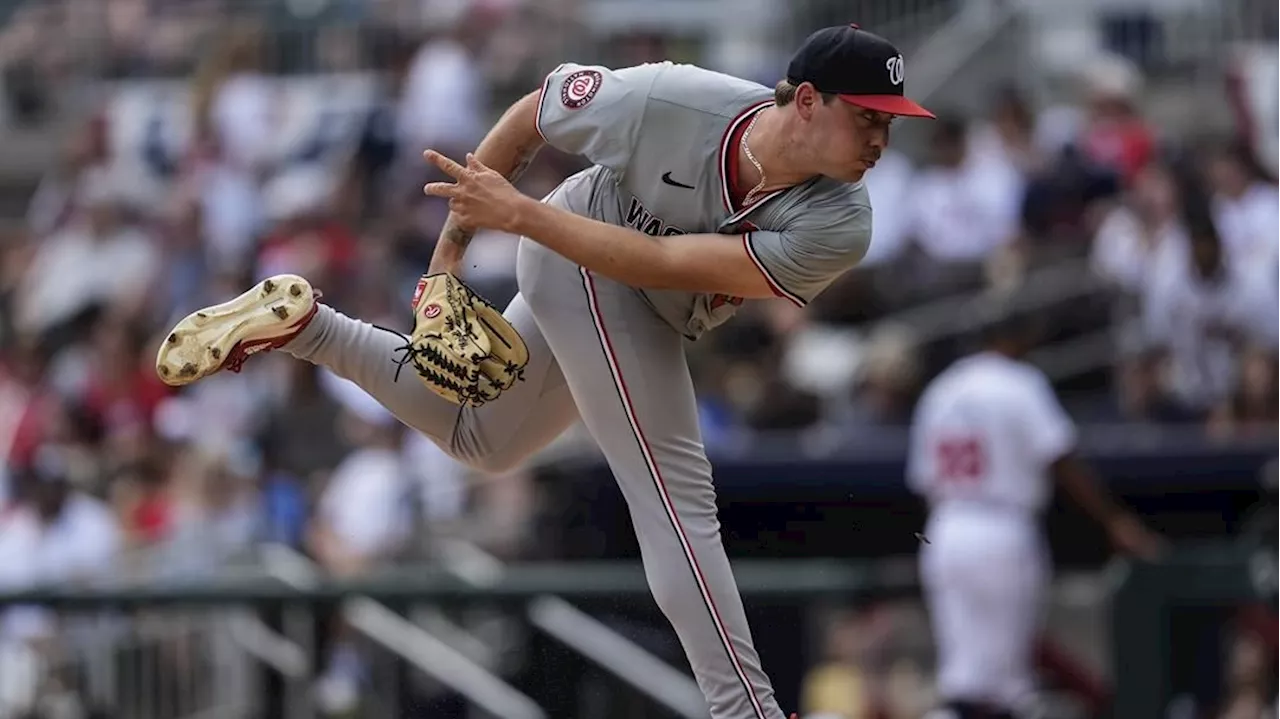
x,y
479,197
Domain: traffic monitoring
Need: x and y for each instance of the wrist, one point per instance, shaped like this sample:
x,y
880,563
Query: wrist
x,y
524,216
446,258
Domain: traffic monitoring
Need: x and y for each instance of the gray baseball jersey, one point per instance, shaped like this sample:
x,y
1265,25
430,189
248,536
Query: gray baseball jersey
x,y
661,137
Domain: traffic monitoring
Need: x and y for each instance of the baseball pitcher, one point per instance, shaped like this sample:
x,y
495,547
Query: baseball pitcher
x,y
705,190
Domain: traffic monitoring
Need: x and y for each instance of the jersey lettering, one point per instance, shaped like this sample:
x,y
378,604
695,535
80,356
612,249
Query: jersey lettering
x,y
961,460
640,218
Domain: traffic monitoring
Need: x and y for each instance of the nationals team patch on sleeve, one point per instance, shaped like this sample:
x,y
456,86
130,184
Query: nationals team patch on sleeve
x,y
594,111
579,88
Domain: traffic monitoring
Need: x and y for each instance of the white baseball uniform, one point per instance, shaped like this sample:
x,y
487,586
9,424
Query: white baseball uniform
x,y
984,436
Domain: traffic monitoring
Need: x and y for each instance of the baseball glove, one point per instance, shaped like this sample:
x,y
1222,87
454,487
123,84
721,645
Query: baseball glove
x,y
463,349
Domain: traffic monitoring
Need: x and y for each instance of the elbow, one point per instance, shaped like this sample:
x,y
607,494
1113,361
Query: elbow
x,y
525,114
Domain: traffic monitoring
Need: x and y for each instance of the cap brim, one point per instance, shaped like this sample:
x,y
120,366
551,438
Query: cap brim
x,y
892,104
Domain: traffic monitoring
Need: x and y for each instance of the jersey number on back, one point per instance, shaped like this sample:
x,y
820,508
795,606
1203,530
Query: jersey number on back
x,y
960,460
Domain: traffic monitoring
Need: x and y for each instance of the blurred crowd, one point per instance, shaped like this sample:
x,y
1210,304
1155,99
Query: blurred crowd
x,y
100,461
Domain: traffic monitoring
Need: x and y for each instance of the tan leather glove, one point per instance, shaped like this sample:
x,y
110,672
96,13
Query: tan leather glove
x,y
462,347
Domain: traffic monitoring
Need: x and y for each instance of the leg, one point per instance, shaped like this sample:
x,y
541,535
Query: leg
x,y
628,374
494,437
983,581
281,313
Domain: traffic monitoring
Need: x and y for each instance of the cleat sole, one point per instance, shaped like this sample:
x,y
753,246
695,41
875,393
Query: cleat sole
x,y
199,344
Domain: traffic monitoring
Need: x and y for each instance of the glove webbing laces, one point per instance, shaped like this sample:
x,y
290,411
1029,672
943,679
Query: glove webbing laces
x,y
433,365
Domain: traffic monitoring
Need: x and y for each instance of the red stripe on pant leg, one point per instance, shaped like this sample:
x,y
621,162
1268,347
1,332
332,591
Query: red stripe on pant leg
x,y
629,409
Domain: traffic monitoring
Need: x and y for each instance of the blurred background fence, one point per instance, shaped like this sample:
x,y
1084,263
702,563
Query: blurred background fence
x,y
271,544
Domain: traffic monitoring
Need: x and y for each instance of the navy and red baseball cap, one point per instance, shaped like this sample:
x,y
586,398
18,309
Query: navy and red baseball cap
x,y
860,67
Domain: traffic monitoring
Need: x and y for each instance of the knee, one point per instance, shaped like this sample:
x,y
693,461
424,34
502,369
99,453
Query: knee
x,y
668,577
493,462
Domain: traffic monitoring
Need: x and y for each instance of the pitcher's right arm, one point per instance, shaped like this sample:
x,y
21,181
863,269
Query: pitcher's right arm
x,y
509,148
586,110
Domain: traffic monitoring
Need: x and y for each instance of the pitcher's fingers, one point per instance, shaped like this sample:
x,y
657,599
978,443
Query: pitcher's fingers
x,y
450,168
440,189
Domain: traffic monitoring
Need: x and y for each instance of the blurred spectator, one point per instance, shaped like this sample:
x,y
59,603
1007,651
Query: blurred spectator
x,y
362,517
187,265
65,279
234,119
386,158
1251,410
1008,134
889,381
143,504
57,197
25,401
1246,207
443,482
1135,233
1115,135
215,507
1067,200
445,98
59,533
29,60
766,381
889,185
1203,312
837,687
305,236
112,378
965,200
302,430
1089,152
55,535
870,667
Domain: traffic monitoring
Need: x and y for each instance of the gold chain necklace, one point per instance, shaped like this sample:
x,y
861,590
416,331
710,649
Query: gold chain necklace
x,y
746,149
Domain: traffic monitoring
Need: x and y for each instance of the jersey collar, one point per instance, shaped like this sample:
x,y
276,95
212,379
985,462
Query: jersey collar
x,y
728,156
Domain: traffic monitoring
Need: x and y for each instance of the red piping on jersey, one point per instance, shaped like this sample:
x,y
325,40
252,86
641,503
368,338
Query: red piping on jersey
x,y
651,463
774,285
542,96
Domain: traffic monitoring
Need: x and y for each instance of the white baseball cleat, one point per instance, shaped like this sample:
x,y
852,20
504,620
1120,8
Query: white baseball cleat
x,y
224,336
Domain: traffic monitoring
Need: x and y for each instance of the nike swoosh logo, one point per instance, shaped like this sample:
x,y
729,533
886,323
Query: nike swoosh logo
x,y
666,177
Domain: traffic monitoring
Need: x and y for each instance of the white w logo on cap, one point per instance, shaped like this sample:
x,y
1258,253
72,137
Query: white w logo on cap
x,y
897,70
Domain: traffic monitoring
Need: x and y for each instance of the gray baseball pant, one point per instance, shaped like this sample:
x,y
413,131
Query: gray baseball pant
x,y
597,351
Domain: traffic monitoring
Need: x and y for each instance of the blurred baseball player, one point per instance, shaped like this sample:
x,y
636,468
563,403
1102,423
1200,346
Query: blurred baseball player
x,y
705,190
988,438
